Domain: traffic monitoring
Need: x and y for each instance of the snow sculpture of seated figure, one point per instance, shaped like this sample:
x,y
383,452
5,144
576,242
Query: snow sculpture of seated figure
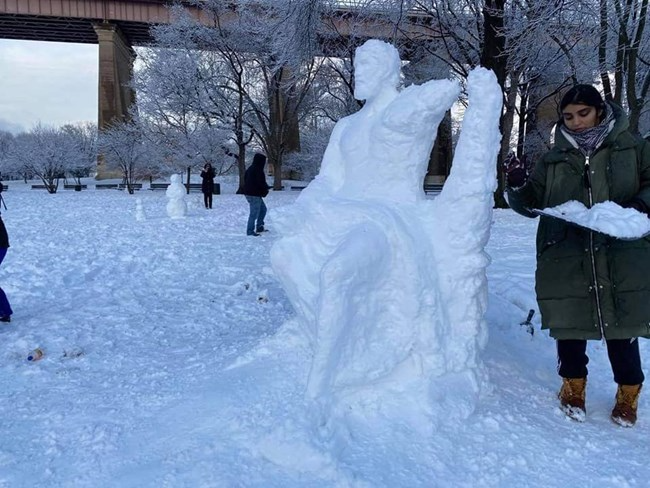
x,y
389,286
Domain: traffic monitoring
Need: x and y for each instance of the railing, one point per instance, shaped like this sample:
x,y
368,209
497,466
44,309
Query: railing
x,y
371,5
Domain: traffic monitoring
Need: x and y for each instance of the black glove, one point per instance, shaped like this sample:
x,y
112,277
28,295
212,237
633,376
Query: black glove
x,y
516,171
638,205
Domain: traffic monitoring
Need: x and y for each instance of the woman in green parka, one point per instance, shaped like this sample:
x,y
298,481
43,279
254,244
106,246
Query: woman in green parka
x,y
590,285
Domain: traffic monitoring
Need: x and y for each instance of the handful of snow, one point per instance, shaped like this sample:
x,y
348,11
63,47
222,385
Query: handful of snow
x,y
606,217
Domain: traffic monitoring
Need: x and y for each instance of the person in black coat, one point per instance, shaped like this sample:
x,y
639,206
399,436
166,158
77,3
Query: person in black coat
x,y
207,185
255,189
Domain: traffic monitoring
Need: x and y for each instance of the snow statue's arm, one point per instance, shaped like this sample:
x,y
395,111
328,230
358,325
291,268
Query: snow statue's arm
x,y
418,109
402,138
463,215
474,165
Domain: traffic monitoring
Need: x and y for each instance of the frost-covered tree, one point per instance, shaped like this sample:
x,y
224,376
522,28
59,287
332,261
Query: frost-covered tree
x,y
83,137
6,141
187,131
247,69
624,56
186,88
534,47
45,153
50,153
125,149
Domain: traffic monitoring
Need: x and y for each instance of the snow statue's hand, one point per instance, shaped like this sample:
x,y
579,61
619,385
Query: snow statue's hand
x,y
390,288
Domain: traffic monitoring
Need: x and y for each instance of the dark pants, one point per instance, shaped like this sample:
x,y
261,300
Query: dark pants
x,y
207,199
5,308
623,356
256,214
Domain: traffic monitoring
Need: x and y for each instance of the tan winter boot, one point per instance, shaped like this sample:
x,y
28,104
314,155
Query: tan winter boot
x,y
627,401
572,398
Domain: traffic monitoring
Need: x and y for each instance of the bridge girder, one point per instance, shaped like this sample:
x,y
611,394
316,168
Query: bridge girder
x,y
58,29
74,20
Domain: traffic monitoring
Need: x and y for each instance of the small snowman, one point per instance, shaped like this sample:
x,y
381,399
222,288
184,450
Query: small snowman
x,y
139,211
176,206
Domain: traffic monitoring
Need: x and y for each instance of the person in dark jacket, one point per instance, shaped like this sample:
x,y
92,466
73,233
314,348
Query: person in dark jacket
x,y
590,285
255,189
207,185
5,308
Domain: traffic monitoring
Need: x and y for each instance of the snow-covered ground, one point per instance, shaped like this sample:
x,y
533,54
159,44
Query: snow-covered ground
x,y
172,360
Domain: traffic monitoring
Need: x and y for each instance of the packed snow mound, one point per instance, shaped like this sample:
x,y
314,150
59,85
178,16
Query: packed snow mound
x,y
389,287
606,217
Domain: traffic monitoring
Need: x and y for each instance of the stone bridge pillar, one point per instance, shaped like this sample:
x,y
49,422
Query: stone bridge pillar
x,y
116,59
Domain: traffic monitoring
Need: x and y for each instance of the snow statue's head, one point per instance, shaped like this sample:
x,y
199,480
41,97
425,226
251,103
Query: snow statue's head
x,y
376,65
176,179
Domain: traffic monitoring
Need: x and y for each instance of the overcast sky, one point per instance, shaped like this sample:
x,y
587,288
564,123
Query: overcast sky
x,y
48,82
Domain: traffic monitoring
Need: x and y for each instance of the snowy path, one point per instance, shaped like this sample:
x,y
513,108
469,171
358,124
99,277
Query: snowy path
x,y
191,376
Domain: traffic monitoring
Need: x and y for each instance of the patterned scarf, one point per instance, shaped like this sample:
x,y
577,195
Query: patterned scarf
x,y
588,140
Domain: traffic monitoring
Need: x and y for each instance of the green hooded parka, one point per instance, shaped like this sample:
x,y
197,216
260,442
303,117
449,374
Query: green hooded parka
x,y
588,284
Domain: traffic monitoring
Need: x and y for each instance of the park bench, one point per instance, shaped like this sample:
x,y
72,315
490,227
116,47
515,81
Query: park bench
x,y
5,187
105,186
39,187
433,188
74,187
158,186
135,186
298,187
193,186
197,187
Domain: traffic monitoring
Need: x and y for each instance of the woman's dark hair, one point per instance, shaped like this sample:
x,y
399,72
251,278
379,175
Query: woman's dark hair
x,y
583,95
